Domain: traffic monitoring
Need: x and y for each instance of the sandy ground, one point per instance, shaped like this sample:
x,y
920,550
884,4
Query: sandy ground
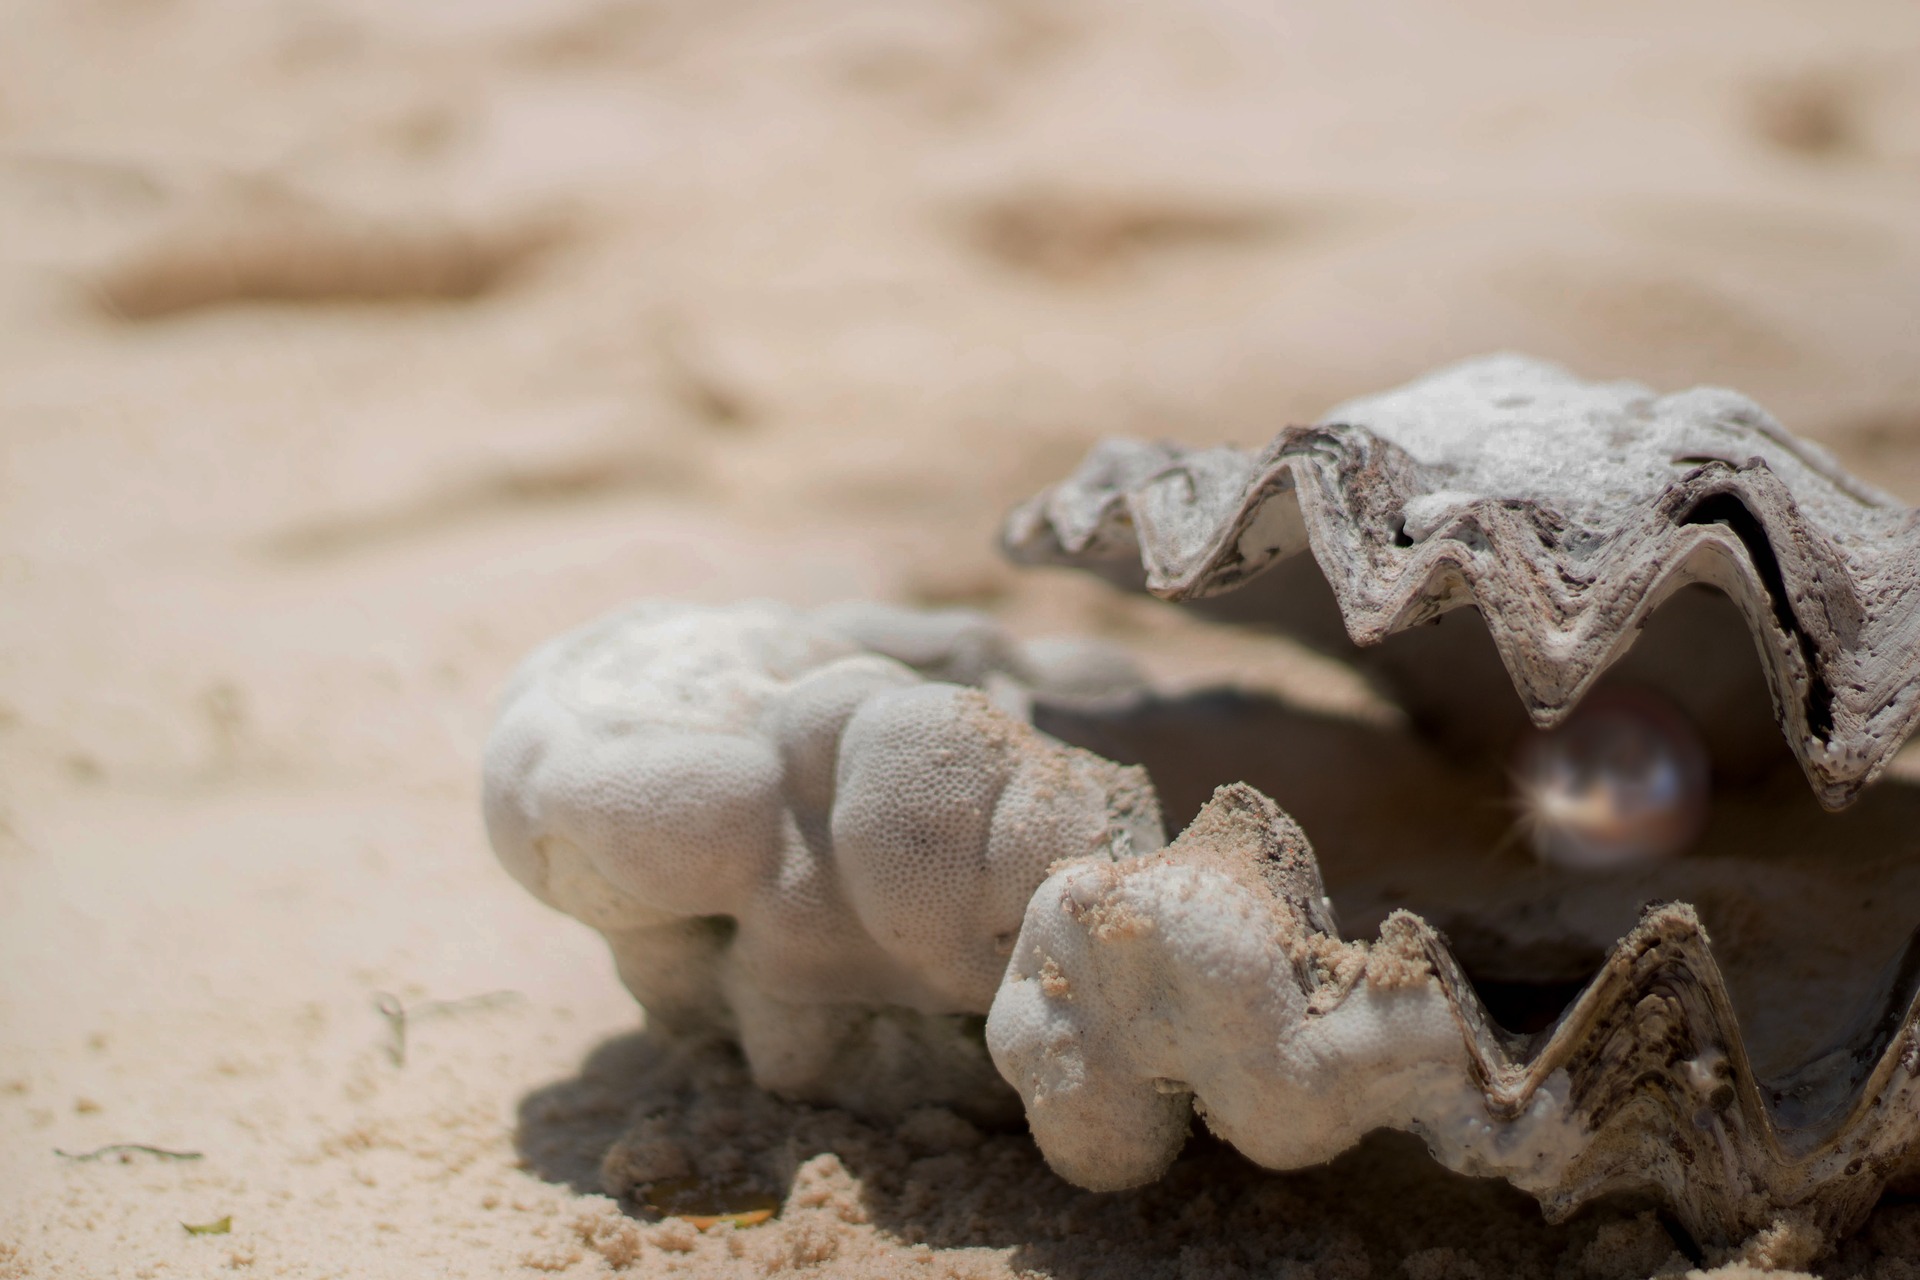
x,y
348,349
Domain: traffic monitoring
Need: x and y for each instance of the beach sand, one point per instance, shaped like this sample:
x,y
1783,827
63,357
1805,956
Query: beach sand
x,y
347,350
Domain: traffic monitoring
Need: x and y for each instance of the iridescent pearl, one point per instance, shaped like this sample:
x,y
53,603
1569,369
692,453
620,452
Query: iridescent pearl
x,y
1625,781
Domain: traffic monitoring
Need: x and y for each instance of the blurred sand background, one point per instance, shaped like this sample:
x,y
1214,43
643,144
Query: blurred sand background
x,y
348,349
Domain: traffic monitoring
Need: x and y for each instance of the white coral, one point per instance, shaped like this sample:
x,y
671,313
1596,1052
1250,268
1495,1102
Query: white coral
x,y
789,837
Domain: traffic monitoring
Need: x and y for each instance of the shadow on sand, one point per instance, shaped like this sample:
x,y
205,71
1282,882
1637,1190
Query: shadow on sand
x,y
642,1106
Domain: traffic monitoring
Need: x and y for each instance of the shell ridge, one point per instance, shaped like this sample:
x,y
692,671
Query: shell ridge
x,y
1412,594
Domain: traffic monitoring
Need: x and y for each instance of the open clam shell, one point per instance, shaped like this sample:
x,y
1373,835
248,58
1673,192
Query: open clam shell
x,y
1566,513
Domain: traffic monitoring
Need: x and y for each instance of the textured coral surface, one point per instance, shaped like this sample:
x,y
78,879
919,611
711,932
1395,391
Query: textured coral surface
x,y
796,840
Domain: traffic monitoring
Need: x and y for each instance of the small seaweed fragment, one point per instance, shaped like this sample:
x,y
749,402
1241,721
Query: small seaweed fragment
x,y
219,1227
705,1203
125,1148
397,1014
745,1218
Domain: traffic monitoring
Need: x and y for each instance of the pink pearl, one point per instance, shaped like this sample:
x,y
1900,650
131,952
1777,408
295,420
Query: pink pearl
x,y
1625,781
